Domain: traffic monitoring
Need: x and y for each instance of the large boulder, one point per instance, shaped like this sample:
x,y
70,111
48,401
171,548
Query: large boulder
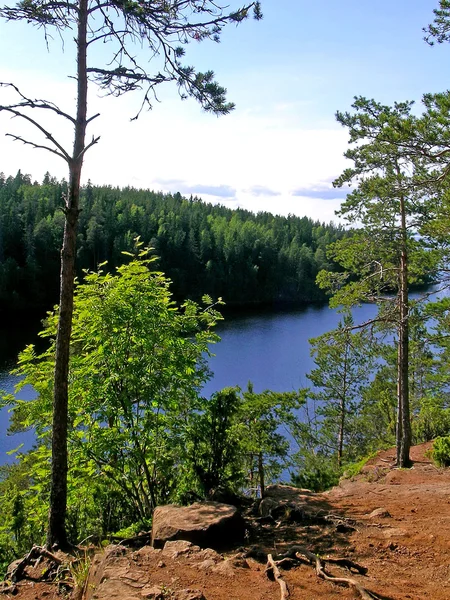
x,y
207,524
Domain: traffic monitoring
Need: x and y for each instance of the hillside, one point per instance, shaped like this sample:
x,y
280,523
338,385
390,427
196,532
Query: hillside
x,y
246,258
404,547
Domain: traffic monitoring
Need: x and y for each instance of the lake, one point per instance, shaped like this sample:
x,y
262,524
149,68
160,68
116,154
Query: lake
x,y
270,349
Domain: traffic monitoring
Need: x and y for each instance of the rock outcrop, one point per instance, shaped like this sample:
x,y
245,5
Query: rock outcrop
x,y
207,524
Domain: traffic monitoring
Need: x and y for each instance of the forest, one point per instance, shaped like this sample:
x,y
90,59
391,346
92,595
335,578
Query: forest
x,y
242,257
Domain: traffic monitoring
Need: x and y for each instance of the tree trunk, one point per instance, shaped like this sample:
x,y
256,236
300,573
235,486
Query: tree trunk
x,y
261,474
58,492
403,417
341,433
343,403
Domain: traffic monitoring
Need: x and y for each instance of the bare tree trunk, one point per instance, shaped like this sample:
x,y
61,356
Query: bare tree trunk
x,y
341,433
58,492
343,403
403,417
261,474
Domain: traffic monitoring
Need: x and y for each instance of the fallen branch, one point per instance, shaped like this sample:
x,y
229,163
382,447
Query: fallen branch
x,y
273,570
35,553
9,589
319,564
348,564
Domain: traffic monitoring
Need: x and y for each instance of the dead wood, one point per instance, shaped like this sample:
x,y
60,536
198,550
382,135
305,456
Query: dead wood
x,y
320,517
9,589
348,564
46,554
18,570
319,564
273,571
287,563
35,553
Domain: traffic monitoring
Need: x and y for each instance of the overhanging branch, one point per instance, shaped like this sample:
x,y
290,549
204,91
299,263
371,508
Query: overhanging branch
x,y
17,138
62,152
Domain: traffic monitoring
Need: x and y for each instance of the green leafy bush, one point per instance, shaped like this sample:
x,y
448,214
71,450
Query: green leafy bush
x,y
355,468
441,451
430,423
317,473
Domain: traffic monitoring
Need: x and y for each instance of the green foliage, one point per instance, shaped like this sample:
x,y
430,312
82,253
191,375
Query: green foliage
x,y
377,417
316,472
354,469
79,570
214,444
397,169
261,418
22,487
441,451
236,441
343,361
137,364
431,422
140,433
439,30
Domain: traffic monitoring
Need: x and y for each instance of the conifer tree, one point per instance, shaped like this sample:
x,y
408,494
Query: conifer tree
x,y
343,362
390,205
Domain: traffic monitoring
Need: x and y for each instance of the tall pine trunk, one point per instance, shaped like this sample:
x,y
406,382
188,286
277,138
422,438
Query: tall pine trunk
x,y
56,534
262,485
403,417
343,404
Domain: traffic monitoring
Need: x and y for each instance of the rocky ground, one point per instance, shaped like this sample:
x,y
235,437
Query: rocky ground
x,y
395,523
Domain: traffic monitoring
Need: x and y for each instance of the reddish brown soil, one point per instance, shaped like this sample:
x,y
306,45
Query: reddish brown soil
x,y
407,554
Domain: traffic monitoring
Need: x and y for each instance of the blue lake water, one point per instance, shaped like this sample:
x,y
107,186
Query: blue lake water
x,y
269,349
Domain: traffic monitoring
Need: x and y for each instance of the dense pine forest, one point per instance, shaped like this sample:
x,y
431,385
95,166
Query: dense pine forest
x,y
204,249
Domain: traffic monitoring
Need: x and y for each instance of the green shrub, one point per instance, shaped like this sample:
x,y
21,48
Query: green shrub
x,y
441,451
430,423
355,468
317,473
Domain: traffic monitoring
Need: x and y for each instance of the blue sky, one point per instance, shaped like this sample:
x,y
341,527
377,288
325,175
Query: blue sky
x,y
288,74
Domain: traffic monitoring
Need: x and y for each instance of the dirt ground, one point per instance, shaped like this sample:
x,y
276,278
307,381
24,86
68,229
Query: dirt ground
x,y
405,547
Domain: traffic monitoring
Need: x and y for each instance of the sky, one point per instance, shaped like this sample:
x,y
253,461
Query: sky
x,y
281,148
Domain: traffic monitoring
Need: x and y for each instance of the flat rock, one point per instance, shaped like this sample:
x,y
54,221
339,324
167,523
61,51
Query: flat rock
x,y
176,547
206,524
155,592
379,513
266,506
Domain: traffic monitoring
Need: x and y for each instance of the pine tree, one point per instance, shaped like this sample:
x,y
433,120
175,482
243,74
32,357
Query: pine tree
x,y
390,205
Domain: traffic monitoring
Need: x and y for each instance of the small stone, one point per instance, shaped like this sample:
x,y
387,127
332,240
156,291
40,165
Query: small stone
x,y
380,513
153,592
209,554
189,595
225,568
239,561
392,546
206,565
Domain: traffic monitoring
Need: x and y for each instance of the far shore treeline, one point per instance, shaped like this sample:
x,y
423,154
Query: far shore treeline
x,y
244,258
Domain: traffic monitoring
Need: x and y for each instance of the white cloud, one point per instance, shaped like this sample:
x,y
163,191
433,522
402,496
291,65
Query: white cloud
x,y
243,152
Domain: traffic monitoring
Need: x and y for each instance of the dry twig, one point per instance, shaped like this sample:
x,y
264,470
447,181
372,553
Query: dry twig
x,y
273,570
300,552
